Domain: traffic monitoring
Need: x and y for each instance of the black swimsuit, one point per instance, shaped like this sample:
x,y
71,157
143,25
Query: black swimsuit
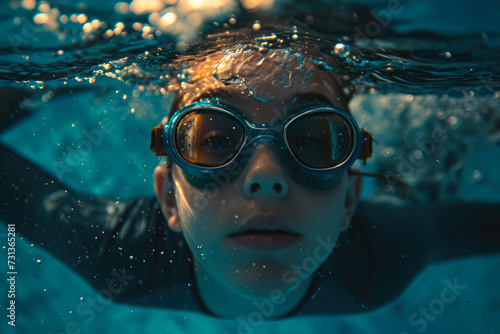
x,y
126,251
132,239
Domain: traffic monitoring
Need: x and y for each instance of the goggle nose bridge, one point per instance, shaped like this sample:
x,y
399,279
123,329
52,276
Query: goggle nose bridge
x,y
257,133
267,133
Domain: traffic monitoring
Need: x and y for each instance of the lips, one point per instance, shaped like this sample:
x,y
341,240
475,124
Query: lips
x,y
265,233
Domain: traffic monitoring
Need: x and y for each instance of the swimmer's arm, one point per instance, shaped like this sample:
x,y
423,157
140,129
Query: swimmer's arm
x,y
11,112
24,187
465,229
398,242
99,238
401,241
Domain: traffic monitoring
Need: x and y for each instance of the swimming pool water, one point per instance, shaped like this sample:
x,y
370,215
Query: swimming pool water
x,y
401,109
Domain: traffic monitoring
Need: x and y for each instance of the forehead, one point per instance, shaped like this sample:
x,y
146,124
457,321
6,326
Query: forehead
x,y
250,81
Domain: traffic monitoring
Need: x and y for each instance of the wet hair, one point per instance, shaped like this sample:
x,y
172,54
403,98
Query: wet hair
x,y
342,95
273,34
317,48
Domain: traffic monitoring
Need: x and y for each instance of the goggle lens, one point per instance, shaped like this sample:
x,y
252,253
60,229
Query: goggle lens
x,y
320,140
208,139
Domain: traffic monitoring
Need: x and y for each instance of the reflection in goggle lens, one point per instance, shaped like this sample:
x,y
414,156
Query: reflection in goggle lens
x,y
212,139
208,139
321,140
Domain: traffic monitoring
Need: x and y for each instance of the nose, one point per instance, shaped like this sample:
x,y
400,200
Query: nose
x,y
265,178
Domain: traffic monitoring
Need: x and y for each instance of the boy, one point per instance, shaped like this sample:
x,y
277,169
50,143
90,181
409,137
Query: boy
x,y
249,215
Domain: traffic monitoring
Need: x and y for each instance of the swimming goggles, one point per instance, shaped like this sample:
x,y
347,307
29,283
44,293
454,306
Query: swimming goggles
x,y
207,138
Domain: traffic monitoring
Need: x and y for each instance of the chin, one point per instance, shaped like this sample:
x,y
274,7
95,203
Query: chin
x,y
276,291
261,281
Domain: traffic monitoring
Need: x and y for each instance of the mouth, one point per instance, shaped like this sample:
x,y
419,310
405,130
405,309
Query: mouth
x,y
265,233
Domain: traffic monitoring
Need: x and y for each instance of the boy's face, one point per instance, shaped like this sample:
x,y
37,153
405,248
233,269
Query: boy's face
x,y
264,189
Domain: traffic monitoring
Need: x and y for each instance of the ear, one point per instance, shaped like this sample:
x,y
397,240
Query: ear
x,y
354,187
164,191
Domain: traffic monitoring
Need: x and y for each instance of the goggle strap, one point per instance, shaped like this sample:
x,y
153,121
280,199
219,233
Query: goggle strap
x,y
156,145
389,178
366,149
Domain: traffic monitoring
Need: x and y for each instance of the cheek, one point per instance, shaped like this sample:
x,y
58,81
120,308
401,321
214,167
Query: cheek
x,y
214,199
193,210
325,224
203,218
193,202
324,206
324,216
330,208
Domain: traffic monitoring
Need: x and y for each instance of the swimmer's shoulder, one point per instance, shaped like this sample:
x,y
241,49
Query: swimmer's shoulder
x,y
124,242
395,242
372,262
399,240
158,257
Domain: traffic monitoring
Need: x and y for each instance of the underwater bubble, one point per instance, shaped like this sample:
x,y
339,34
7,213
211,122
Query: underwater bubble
x,y
476,175
342,50
256,26
122,8
41,18
452,120
253,5
417,154
167,19
408,98
26,4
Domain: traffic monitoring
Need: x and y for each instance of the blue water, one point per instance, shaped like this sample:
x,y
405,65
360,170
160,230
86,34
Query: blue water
x,y
430,87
